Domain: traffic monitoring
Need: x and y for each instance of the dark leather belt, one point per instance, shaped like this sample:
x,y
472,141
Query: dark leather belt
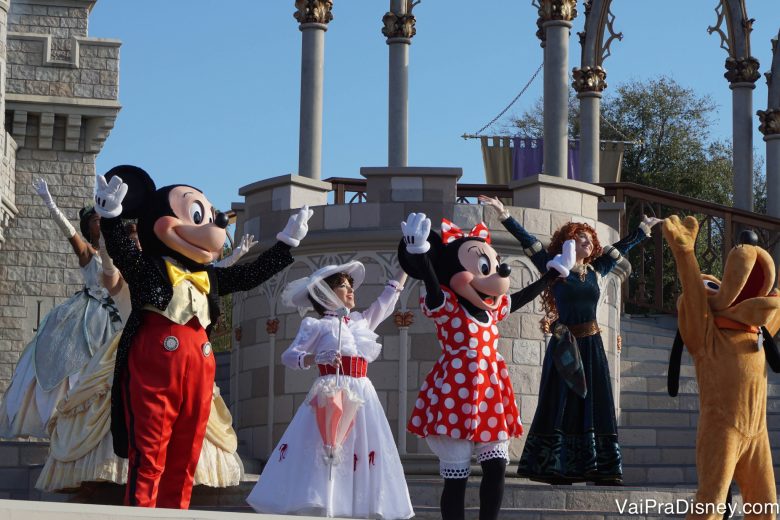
x,y
583,330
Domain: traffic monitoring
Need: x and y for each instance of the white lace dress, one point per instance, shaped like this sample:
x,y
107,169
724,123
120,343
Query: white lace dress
x,y
52,362
368,479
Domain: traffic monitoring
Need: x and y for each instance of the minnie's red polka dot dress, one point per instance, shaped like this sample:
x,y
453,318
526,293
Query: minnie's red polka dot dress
x,y
468,393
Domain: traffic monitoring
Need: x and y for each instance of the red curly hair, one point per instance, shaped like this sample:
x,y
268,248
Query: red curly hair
x,y
568,231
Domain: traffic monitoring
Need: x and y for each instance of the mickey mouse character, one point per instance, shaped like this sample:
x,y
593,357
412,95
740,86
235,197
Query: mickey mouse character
x,y
466,404
161,394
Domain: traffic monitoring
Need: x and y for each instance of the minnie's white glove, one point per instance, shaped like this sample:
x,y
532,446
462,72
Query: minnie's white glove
x,y
416,230
565,261
109,196
42,189
296,228
246,243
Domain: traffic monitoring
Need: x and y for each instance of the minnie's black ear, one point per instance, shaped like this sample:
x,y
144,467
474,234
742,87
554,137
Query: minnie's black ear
x,y
139,187
412,264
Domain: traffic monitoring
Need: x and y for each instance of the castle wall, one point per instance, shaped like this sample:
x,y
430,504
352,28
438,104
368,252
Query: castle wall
x,y
60,104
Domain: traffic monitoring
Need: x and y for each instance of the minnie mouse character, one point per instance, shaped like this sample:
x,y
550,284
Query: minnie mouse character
x,y
164,375
466,404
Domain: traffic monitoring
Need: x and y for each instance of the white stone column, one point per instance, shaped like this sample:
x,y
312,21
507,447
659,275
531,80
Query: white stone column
x,y
556,98
742,74
313,16
403,319
589,82
770,127
555,18
399,30
742,139
590,131
271,327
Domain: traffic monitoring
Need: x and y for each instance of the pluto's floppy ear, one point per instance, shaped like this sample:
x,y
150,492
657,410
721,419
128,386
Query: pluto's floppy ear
x,y
412,264
139,187
770,350
675,358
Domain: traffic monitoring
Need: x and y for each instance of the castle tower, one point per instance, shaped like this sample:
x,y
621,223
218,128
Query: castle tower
x,y
60,95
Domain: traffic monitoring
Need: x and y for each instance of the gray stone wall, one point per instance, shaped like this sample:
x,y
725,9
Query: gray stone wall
x,y
60,105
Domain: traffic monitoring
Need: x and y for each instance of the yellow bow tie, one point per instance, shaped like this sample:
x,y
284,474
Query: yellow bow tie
x,y
199,279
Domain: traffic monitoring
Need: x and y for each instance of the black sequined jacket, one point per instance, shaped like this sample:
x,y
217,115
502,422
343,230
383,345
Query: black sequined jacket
x,y
149,285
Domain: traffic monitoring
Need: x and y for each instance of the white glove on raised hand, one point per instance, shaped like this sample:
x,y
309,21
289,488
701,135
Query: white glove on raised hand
x,y
416,230
565,261
42,189
296,228
246,243
109,196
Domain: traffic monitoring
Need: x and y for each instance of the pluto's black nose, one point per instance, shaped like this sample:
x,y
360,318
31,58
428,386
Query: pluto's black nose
x,y
748,237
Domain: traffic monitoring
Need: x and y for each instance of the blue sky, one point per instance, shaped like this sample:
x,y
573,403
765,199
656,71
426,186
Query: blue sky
x,y
210,89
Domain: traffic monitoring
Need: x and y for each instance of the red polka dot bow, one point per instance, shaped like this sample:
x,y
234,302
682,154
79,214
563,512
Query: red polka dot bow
x,y
450,232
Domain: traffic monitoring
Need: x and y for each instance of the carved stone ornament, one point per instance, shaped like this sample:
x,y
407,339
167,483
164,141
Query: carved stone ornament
x,y
770,121
557,10
403,319
272,326
398,26
589,79
742,70
313,11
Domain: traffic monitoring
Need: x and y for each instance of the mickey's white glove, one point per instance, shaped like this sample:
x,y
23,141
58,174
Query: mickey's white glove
x,y
416,230
565,261
296,228
246,243
42,189
648,222
109,196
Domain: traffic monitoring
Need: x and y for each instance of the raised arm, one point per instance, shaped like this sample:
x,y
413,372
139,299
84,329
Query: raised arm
x,y
243,247
383,307
248,276
692,305
530,244
83,250
415,231
613,253
558,267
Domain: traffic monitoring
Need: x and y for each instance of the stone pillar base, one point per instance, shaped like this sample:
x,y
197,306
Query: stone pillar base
x,y
558,195
412,184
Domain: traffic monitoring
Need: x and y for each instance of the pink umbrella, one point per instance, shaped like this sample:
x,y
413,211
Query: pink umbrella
x,y
335,408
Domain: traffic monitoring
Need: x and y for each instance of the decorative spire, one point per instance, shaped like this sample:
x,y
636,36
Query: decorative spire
x,y
313,11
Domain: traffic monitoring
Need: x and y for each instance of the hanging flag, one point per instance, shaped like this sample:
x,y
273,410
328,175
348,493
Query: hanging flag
x,y
497,159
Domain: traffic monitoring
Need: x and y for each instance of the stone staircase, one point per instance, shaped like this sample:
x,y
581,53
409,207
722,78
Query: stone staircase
x,y
658,432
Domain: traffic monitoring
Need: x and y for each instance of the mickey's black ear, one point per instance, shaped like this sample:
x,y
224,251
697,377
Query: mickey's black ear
x,y
139,187
412,264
